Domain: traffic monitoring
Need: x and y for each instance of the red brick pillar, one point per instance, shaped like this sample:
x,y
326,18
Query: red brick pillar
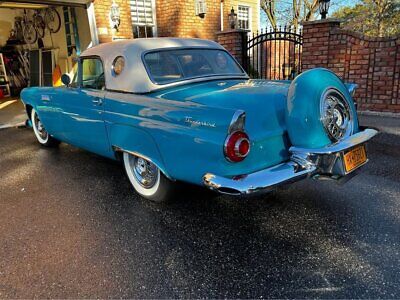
x,y
235,42
316,42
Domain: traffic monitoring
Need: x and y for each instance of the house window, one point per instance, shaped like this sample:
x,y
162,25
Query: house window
x,y
143,18
200,8
243,17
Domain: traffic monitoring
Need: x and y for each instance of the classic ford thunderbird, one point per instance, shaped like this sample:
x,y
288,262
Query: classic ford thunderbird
x,y
185,110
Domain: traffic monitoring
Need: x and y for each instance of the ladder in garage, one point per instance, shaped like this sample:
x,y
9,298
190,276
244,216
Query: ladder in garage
x,y
4,83
71,30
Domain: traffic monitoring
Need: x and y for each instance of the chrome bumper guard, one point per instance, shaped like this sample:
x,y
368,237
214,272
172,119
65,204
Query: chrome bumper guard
x,y
320,163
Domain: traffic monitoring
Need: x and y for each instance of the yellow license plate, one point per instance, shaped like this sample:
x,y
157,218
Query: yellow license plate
x,y
354,158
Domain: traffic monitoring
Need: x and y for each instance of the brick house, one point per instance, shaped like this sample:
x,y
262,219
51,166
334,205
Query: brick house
x,y
178,18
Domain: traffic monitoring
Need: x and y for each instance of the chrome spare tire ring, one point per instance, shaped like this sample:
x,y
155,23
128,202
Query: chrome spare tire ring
x,y
336,115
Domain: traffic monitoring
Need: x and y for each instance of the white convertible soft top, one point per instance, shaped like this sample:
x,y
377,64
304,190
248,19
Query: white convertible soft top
x,y
134,77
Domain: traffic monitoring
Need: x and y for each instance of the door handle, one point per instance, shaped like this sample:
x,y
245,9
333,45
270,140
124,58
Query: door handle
x,y
97,101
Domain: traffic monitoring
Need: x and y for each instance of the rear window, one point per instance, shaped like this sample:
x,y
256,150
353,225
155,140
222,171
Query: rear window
x,y
175,65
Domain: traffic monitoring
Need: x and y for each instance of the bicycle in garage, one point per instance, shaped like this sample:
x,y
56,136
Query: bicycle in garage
x,y
30,29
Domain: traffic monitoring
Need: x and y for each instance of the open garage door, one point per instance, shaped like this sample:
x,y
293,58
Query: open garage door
x,y
50,52
22,3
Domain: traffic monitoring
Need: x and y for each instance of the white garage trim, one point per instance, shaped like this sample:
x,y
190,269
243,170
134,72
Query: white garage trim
x,y
75,3
92,24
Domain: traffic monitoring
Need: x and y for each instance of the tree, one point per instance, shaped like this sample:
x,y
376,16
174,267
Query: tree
x,y
287,13
372,17
268,6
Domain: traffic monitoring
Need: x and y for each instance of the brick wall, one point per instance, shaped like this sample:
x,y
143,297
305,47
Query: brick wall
x,y
177,17
372,63
102,13
233,40
174,18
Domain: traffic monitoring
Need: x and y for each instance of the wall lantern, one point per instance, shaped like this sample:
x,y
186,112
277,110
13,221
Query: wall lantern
x,y
232,17
323,8
115,16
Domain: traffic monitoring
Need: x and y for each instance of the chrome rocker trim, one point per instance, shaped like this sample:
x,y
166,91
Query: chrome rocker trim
x,y
320,163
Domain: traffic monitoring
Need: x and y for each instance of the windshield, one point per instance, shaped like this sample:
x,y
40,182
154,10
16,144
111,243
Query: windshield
x,y
175,65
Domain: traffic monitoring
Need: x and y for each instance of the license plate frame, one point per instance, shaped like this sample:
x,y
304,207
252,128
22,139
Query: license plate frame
x,y
354,158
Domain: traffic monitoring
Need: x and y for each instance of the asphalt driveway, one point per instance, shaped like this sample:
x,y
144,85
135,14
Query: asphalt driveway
x,y
71,226
12,112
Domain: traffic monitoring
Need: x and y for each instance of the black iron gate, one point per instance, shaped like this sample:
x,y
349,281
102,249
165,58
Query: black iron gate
x,y
273,54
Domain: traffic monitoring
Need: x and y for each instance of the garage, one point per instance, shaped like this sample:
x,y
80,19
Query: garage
x,y
39,41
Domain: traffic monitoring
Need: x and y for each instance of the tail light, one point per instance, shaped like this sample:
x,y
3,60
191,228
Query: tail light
x,y
237,146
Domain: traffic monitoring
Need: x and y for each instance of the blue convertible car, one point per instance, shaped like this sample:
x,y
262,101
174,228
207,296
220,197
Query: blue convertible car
x,y
184,110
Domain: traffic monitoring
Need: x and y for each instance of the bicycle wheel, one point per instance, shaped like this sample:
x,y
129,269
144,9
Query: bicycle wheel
x,y
52,19
29,32
39,25
18,30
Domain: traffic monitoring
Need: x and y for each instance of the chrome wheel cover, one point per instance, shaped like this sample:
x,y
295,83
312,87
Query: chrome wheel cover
x,y
336,115
40,128
145,172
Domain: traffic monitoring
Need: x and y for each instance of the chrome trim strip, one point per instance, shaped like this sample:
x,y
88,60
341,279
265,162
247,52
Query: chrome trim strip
x,y
237,122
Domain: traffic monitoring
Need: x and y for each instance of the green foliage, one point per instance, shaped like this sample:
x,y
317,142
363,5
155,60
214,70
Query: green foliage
x,y
372,17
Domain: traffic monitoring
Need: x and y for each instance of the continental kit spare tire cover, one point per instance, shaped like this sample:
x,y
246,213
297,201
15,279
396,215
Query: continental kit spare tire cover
x,y
320,110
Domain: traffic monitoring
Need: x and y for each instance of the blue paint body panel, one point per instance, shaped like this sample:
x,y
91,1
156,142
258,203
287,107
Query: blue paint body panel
x,y
156,124
303,117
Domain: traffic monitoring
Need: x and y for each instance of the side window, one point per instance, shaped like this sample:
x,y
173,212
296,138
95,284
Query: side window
x,y
92,74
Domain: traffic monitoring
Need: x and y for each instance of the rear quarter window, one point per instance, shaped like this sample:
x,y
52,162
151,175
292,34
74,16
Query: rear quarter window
x,y
174,65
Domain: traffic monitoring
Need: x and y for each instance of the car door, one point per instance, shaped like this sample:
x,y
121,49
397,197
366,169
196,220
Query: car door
x,y
83,109
47,107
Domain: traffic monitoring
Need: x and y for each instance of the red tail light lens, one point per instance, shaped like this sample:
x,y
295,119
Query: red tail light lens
x,y
237,146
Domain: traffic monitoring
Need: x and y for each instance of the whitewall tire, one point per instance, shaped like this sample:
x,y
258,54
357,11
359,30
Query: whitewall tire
x,y
147,179
41,134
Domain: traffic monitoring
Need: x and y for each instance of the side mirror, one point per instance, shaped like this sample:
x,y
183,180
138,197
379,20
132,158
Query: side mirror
x,y
65,79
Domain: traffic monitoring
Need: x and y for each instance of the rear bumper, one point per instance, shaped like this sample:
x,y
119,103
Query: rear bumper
x,y
320,163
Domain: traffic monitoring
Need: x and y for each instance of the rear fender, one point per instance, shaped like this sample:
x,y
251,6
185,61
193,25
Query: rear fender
x,y
137,142
184,139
